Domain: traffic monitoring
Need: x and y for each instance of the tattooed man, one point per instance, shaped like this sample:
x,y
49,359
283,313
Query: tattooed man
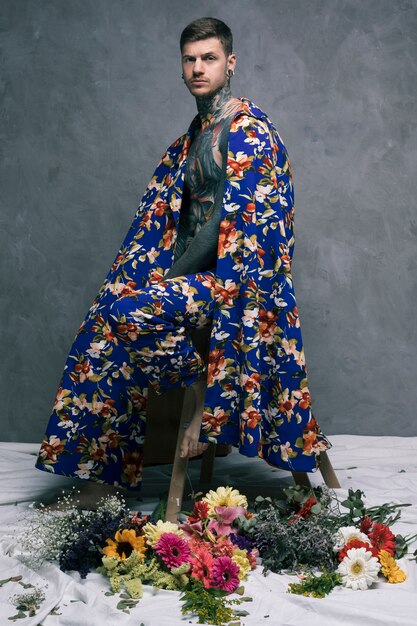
x,y
210,244
208,63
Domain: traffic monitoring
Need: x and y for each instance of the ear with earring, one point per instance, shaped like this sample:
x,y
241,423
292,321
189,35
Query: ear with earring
x,y
230,73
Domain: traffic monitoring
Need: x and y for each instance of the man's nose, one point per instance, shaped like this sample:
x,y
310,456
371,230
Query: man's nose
x,y
198,66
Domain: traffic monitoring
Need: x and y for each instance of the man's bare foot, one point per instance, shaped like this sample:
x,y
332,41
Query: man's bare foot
x,y
193,405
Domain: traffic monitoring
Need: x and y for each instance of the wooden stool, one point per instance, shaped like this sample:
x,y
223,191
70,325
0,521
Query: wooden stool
x,y
166,417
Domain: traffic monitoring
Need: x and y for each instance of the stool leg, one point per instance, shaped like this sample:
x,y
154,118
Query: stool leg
x,y
180,464
302,479
328,472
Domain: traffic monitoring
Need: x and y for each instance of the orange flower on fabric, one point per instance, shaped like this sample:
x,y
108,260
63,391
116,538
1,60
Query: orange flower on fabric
x,y
390,569
124,543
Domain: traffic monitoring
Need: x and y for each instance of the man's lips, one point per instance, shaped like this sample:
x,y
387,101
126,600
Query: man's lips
x,y
198,80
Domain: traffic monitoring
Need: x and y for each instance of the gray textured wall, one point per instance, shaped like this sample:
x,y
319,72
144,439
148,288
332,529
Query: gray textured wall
x,y
90,97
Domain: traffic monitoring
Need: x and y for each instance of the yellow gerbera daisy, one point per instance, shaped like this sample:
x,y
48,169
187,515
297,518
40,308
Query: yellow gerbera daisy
x,y
390,569
153,532
224,496
124,543
239,557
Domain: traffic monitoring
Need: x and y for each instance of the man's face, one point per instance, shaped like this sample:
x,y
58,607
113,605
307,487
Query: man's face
x,y
204,65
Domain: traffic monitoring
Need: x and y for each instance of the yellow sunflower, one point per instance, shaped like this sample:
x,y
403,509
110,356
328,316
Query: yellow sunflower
x,y
224,496
390,568
124,543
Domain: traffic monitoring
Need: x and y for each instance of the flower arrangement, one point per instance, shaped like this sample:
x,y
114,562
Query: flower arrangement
x,y
203,556
303,532
211,551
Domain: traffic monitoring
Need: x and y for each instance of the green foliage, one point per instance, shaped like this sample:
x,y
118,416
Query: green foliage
x,y
126,603
386,513
210,605
159,512
285,540
316,586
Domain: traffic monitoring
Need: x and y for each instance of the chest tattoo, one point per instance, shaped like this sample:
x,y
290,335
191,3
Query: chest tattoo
x,y
203,172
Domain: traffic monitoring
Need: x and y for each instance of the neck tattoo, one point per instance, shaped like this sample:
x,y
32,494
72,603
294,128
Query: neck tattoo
x,y
215,107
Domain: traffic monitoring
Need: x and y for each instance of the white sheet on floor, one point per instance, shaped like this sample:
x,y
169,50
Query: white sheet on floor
x,y
385,468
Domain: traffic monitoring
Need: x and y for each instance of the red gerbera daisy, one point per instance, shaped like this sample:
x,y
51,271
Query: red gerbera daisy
x,y
201,564
382,538
366,525
305,510
356,543
199,512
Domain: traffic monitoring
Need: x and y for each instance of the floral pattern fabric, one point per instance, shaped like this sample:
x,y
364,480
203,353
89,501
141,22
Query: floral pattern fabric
x,y
257,395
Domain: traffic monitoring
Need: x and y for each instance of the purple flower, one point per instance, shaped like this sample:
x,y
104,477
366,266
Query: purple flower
x,y
241,542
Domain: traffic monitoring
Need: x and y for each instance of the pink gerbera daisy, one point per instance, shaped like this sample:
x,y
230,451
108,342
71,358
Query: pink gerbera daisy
x,y
201,564
173,550
225,574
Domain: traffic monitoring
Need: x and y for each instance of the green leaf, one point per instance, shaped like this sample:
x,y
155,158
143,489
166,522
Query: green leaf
x,y
26,585
241,613
316,508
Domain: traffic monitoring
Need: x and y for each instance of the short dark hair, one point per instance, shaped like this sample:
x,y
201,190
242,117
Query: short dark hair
x,y
206,27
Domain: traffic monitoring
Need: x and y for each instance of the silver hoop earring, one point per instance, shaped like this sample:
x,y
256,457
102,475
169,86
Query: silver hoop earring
x,y
230,73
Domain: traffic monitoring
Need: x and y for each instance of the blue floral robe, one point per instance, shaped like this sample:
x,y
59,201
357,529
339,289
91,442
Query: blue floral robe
x,y
257,394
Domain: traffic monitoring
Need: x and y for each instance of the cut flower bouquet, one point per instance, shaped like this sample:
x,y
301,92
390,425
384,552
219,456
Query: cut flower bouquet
x,y
210,552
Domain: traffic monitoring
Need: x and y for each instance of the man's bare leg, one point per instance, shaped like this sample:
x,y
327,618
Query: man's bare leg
x,y
193,405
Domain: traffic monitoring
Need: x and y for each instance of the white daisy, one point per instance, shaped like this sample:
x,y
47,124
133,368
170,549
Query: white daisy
x,y
359,569
346,534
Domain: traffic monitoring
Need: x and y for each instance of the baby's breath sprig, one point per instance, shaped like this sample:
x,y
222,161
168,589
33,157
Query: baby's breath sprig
x,y
69,535
28,602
